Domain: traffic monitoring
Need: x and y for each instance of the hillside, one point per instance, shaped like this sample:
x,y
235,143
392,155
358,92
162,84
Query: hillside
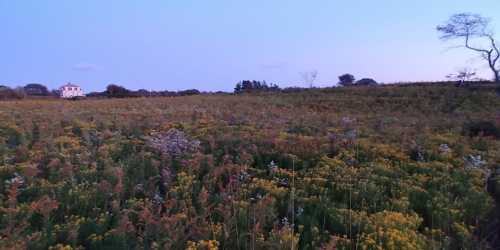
x,y
394,167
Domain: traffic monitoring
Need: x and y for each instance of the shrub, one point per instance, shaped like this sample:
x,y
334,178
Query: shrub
x,y
366,82
481,128
115,91
346,80
36,89
188,92
247,86
7,93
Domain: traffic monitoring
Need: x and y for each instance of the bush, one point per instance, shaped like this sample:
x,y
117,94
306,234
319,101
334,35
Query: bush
x,y
481,128
366,82
346,80
188,92
248,86
7,93
36,89
115,91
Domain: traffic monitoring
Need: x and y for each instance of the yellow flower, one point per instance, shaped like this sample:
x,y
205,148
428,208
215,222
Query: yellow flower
x,y
60,247
203,245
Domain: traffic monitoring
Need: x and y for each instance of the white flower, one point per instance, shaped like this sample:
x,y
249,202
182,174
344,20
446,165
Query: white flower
x,y
174,143
16,179
472,161
284,221
272,167
444,149
300,211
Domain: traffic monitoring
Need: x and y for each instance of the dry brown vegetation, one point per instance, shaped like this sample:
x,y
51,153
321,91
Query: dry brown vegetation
x,y
388,167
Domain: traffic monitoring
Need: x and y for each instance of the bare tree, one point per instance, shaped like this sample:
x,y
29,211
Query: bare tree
x,y
463,75
309,77
469,26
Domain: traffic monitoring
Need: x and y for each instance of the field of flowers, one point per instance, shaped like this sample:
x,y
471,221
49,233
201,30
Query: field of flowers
x,y
394,167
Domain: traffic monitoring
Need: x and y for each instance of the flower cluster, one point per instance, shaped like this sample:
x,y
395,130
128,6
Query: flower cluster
x,y
174,143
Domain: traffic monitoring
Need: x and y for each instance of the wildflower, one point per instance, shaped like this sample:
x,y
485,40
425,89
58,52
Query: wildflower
x,y
281,181
167,176
18,179
418,154
332,137
45,206
272,167
157,199
346,121
139,188
300,211
257,197
284,221
174,143
474,161
444,149
351,134
350,161
243,176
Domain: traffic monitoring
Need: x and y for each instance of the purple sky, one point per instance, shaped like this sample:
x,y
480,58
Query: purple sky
x,y
211,45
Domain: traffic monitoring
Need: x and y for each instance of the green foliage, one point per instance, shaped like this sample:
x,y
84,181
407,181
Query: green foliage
x,y
351,168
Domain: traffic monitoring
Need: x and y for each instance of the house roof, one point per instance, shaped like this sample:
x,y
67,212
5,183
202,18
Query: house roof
x,y
69,85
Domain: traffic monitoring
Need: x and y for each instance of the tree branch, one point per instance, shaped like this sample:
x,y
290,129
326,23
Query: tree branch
x,y
468,26
467,45
495,48
493,44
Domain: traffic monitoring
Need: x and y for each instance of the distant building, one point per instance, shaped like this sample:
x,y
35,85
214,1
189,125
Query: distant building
x,y
71,91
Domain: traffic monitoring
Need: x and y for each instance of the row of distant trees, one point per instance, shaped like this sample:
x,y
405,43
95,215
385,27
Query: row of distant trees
x,y
252,86
32,89
349,80
117,91
8,93
248,86
112,91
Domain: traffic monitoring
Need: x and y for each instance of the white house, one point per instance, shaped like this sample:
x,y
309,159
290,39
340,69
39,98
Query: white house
x,y
70,91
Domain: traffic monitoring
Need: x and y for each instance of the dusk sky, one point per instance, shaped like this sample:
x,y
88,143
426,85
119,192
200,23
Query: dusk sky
x,y
211,45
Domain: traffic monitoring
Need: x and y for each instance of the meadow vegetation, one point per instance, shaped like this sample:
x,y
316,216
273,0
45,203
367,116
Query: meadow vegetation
x,y
386,167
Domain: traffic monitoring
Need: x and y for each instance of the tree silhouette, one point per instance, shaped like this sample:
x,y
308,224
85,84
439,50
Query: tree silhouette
x,y
469,26
346,80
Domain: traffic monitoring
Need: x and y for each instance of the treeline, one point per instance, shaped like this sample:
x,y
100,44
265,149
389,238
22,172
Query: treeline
x,y
117,91
252,86
349,80
248,86
242,87
112,91
32,89
8,93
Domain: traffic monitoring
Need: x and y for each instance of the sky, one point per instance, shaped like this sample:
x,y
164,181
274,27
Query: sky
x,y
211,45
